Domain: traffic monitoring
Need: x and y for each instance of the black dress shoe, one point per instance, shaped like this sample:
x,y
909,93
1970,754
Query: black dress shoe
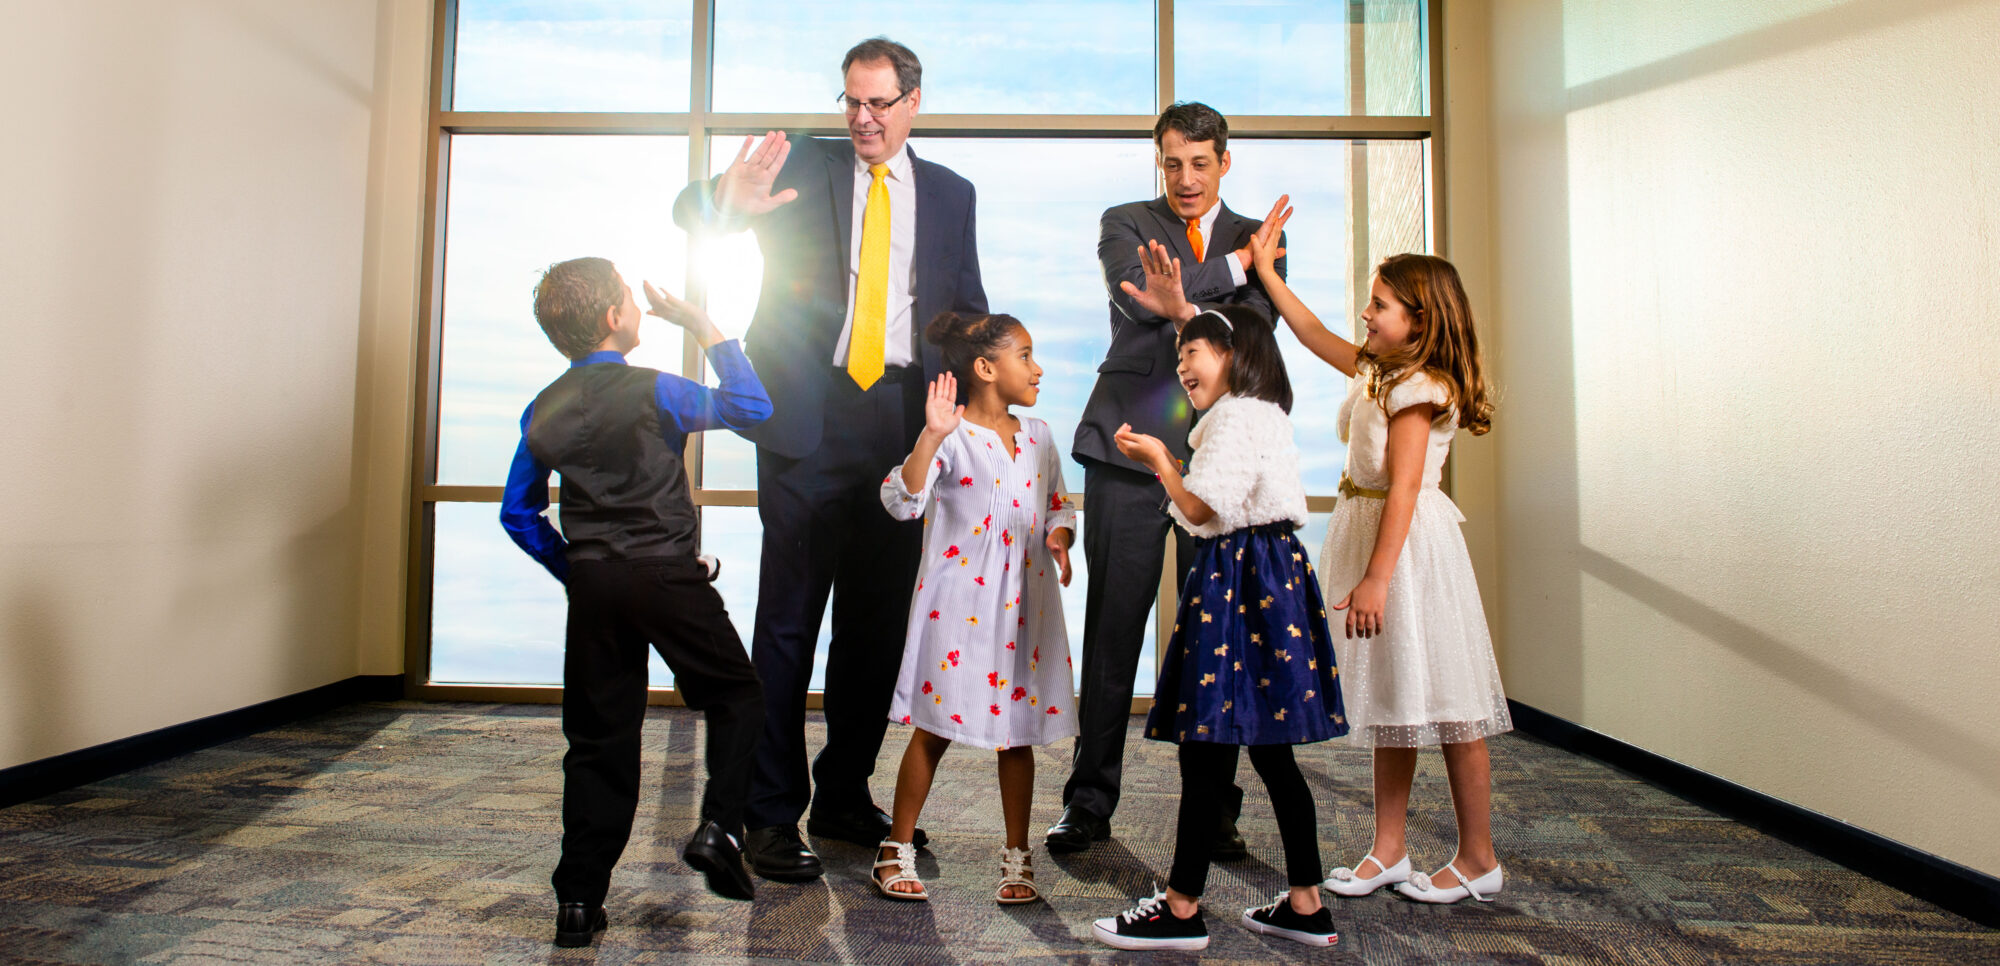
x,y
1229,844
712,854
577,922
777,852
1076,830
863,826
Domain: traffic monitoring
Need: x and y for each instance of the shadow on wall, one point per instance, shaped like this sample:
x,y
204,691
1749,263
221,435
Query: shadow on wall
x,y
1766,43
1945,739
39,667
1540,532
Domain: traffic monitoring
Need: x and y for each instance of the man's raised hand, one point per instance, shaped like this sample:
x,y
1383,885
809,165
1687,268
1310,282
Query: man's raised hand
x,y
1163,295
1267,234
744,190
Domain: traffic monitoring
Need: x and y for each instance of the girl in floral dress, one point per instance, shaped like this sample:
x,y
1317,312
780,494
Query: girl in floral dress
x,y
987,659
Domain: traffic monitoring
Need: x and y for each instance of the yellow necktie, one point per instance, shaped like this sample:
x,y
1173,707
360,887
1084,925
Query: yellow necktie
x,y
871,289
1194,237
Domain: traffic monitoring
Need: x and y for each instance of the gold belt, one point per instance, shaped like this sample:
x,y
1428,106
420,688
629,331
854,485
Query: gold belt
x,y
1347,488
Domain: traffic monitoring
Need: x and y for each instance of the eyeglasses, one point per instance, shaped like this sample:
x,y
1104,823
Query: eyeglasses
x,y
876,108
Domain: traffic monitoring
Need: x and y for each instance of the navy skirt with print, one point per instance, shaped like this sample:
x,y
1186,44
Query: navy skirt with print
x,y
1251,661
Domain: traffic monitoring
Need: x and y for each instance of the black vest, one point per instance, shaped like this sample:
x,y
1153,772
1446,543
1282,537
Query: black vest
x,y
624,490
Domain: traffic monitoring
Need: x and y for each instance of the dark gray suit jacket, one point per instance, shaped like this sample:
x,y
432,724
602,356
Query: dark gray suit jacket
x,y
1136,383
803,301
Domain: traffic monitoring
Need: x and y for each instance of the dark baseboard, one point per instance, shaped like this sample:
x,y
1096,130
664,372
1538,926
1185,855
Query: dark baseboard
x,y
1968,892
50,775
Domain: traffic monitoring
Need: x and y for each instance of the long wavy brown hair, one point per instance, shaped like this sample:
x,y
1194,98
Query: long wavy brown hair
x,y
1447,347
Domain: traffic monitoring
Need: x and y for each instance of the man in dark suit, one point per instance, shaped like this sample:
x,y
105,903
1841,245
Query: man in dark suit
x,y
863,244
1124,536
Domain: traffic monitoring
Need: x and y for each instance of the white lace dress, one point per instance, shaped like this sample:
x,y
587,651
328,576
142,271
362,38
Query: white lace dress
x,y
987,659
1429,678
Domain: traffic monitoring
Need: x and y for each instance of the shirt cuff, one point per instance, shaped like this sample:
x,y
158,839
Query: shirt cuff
x,y
1237,276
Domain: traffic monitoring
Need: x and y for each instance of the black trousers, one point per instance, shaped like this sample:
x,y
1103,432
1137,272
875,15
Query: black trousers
x,y
1124,545
617,608
825,531
1206,770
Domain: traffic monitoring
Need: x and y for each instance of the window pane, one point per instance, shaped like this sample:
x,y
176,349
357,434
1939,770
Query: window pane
x,y
517,204
1325,267
733,534
497,617
1302,56
575,55
1033,57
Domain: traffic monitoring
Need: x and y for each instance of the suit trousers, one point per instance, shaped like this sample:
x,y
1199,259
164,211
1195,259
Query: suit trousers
x,y
1124,545
825,531
617,608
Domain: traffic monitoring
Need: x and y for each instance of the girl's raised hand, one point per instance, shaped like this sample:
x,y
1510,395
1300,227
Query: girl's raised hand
x,y
1263,244
941,409
1364,605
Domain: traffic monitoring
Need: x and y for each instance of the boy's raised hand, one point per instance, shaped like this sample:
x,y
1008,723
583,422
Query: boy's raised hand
x,y
941,408
685,314
744,190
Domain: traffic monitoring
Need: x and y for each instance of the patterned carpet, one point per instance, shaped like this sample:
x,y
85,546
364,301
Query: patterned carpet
x,y
424,833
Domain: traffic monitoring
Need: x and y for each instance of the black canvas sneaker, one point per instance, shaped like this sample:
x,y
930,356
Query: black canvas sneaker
x,y
1280,919
1151,925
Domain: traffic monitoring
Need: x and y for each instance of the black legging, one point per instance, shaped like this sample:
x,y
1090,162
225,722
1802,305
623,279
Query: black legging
x,y
1207,770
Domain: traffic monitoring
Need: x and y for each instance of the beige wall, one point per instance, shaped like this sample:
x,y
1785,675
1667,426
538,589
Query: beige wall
x,y
1745,263
208,254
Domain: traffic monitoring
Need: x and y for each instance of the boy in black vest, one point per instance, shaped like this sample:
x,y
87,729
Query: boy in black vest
x,y
615,433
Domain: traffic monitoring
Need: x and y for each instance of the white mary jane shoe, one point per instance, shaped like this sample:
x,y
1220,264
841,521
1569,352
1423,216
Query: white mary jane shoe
x,y
1483,889
1343,881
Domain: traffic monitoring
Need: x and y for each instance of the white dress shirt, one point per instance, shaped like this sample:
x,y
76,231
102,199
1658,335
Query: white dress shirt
x,y
1237,276
896,345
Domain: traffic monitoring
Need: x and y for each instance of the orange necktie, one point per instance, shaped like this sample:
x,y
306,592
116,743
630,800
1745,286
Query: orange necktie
x,y
1194,237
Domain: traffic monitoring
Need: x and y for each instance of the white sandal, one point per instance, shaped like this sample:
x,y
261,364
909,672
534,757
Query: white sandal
x,y
1015,870
1344,882
905,864
1482,889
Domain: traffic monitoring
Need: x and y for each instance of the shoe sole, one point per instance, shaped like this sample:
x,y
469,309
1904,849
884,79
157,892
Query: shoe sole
x,y
794,876
722,880
1116,941
921,840
1295,935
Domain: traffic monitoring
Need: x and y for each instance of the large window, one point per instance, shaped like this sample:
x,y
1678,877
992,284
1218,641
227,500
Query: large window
x,y
567,128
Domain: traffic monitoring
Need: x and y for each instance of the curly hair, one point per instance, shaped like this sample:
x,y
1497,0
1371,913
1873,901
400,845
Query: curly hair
x,y
1447,346
968,338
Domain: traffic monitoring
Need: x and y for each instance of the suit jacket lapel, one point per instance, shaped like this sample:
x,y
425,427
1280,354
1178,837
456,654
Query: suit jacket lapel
x,y
1173,231
929,240
840,184
1232,231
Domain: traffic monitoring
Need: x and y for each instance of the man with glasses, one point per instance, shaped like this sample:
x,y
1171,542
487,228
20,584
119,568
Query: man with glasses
x,y
863,244
1125,524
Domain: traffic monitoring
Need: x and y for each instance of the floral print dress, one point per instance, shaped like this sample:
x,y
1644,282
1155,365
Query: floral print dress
x,y
987,659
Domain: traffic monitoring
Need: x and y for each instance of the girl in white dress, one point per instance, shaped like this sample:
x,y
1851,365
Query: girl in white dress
x,y
1417,661
987,659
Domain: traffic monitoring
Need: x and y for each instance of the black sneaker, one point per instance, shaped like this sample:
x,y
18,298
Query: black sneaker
x,y
1280,919
1151,925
